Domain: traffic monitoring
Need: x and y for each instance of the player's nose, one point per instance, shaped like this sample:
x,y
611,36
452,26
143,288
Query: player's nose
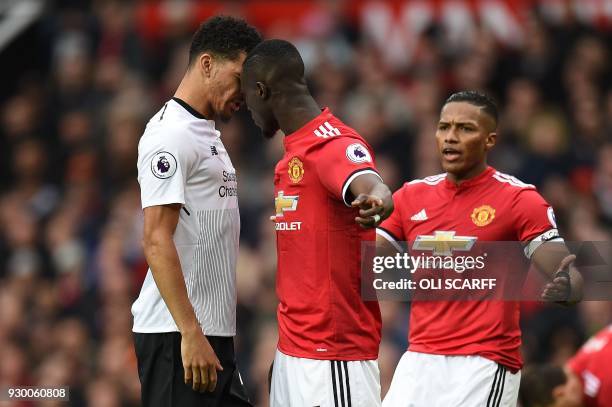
x,y
451,137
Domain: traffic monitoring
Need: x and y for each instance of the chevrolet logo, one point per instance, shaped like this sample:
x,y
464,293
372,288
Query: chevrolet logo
x,y
443,243
284,203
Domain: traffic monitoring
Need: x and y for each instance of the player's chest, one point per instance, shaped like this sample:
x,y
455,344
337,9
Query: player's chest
x,y
213,177
299,196
483,217
297,174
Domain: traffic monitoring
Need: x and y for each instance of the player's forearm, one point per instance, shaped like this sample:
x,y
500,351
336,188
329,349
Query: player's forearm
x,y
163,259
370,184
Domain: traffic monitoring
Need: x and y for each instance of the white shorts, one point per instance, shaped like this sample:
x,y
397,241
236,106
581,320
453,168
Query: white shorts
x,y
300,382
424,380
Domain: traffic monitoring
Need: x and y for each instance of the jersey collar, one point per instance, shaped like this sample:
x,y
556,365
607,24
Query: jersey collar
x,y
194,113
308,128
478,179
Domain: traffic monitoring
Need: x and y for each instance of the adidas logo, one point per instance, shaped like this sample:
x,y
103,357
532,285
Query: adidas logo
x,y
419,216
326,130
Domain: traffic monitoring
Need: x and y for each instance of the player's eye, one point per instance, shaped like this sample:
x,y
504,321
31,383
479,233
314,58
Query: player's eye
x,y
443,126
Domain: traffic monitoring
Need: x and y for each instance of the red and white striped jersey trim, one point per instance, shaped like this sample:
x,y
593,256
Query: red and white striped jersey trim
x,y
509,179
431,180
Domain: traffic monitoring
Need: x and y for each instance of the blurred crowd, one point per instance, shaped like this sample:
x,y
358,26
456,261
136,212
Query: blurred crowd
x,y
71,262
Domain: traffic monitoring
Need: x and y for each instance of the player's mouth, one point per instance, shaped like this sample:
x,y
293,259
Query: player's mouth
x,y
235,105
451,154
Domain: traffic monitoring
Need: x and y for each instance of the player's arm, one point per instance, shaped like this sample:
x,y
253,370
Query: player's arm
x,y
390,233
555,260
536,226
199,360
346,168
373,198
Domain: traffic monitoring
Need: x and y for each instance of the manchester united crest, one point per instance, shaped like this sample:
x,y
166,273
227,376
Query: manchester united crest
x,y
296,170
483,215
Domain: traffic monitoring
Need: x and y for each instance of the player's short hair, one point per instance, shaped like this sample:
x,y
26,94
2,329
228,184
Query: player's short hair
x,y
477,99
223,36
270,55
538,383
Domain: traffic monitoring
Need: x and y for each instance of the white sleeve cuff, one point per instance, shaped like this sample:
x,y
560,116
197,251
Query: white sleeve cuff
x,y
390,239
350,179
551,235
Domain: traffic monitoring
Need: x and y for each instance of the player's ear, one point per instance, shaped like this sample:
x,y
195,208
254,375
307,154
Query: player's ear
x,y
558,391
490,141
205,64
262,90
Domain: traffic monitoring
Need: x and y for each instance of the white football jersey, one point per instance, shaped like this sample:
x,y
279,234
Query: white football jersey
x,y
181,159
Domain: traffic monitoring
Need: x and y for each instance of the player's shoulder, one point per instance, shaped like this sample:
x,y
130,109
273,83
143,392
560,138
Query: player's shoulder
x,y
510,183
166,137
429,182
512,189
420,187
333,137
601,340
171,132
329,128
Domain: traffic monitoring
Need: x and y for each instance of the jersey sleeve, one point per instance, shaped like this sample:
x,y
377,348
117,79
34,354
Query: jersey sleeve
x,y
340,161
163,167
392,228
535,220
578,363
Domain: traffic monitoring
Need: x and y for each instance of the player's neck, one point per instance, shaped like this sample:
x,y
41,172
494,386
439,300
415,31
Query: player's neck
x,y
296,111
190,94
458,179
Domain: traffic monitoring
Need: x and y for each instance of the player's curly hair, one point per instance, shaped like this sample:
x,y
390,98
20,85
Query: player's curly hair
x,y
223,36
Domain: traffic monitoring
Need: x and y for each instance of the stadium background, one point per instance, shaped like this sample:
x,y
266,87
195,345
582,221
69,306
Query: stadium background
x,y
81,78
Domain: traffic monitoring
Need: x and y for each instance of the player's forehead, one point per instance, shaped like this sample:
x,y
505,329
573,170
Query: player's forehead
x,y
461,112
233,66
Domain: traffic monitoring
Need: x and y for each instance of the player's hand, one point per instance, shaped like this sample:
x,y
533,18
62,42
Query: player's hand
x,y
199,362
559,289
371,210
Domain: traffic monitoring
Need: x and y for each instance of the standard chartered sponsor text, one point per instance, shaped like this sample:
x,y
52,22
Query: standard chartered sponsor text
x,y
226,191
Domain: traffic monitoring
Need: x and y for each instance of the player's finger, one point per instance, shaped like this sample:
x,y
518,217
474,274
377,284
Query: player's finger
x,y
359,200
273,218
370,202
195,383
364,213
218,365
550,295
567,260
188,375
212,379
205,375
555,292
369,222
557,286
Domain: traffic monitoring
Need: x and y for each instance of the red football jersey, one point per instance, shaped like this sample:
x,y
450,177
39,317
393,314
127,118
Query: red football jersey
x,y
592,366
489,207
321,314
